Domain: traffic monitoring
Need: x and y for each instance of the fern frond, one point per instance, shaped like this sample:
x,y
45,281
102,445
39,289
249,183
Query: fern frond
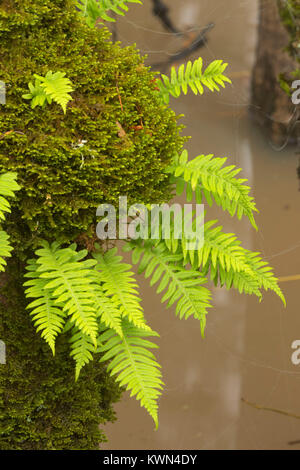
x,y
47,316
68,279
255,276
219,248
107,311
5,249
133,364
181,285
264,274
8,188
243,281
192,76
82,349
207,177
229,263
92,10
53,87
236,266
57,87
37,95
120,286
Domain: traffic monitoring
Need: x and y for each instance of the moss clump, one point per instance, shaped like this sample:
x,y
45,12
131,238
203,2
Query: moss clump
x,y
130,139
62,182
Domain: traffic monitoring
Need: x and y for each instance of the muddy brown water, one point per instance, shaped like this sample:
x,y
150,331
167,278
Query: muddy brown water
x,y
247,351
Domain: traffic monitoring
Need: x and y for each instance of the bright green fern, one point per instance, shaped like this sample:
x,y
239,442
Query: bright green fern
x,y
93,10
118,282
134,364
53,87
192,76
68,284
5,249
48,317
8,188
182,286
94,297
221,256
207,176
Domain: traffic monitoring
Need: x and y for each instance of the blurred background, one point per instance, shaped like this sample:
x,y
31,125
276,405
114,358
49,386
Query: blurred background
x,y
246,352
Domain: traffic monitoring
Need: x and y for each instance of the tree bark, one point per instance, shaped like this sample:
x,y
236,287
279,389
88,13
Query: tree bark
x,y
271,106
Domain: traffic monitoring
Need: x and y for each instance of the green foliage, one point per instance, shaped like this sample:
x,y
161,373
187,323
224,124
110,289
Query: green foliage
x,y
5,249
133,364
181,285
8,188
94,10
53,87
82,350
41,406
222,256
206,176
192,76
90,296
119,284
47,317
68,283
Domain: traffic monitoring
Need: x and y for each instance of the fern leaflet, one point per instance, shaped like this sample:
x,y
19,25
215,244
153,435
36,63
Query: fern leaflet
x,y
82,349
206,176
133,364
192,76
53,87
107,310
8,188
68,279
182,286
119,284
92,10
47,316
228,262
5,249
233,265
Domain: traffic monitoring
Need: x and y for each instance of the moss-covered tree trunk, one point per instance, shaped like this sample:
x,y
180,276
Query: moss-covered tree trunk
x,y
68,164
271,106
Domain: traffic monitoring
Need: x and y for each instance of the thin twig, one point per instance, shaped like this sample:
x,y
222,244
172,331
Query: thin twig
x,y
10,132
266,408
119,96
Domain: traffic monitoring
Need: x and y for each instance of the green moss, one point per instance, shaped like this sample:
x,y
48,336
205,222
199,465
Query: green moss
x,y
62,184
